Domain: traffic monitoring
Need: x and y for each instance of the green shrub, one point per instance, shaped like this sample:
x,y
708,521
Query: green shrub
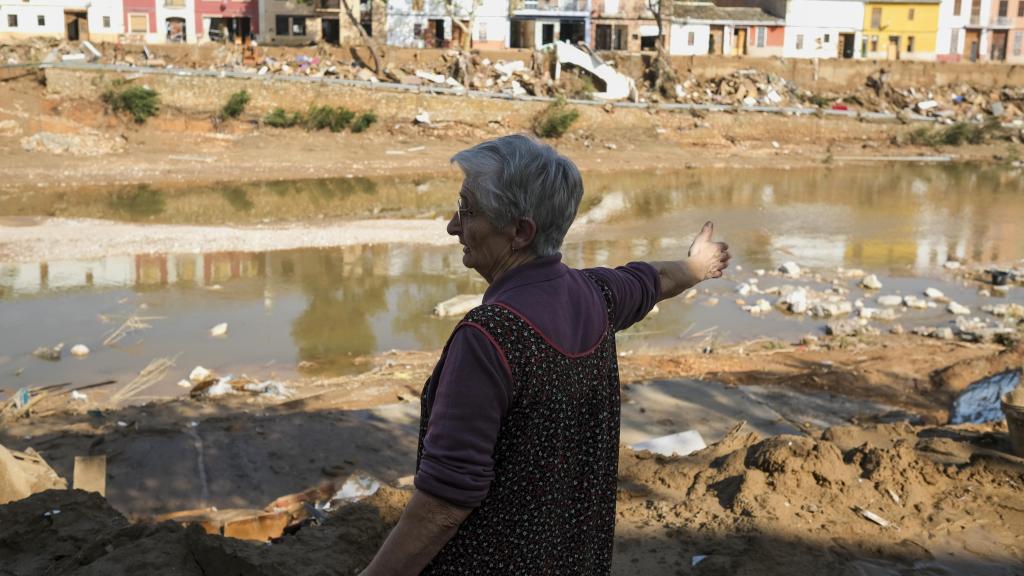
x,y
325,117
364,121
140,102
236,105
956,134
555,120
278,118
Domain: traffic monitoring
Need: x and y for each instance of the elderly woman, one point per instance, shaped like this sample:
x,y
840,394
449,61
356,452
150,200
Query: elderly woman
x,y
519,432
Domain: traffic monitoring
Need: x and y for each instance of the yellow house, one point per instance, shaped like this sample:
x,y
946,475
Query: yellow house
x,y
900,29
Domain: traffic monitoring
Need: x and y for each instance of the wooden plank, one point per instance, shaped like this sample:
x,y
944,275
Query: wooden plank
x,y
91,474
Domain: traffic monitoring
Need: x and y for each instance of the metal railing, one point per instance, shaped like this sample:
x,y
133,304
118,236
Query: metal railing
x,y
555,5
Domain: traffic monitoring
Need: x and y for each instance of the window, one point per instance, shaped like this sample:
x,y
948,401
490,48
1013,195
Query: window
x,y
1018,42
910,14
604,37
827,38
481,31
954,42
290,25
281,25
876,17
174,3
41,20
910,44
799,41
12,20
874,43
417,30
106,21
138,23
761,33
1004,8
691,38
957,5
1020,9
298,25
417,5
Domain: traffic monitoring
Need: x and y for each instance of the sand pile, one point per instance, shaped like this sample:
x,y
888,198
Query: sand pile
x,y
73,532
856,500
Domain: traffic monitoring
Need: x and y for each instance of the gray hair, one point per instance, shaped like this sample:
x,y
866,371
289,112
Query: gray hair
x,y
516,177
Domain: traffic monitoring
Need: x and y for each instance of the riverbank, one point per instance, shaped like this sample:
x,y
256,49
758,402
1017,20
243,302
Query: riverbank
x,y
185,145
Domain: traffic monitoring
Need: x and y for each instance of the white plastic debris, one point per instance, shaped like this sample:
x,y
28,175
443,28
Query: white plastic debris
x,y
873,517
958,309
357,487
79,350
271,388
79,396
221,388
790,269
198,375
458,305
697,559
681,443
422,118
219,330
934,293
184,383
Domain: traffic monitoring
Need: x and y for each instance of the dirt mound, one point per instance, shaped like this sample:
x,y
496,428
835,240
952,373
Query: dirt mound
x,y
879,499
87,537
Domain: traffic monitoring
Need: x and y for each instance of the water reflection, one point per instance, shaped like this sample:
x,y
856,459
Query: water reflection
x,y
324,306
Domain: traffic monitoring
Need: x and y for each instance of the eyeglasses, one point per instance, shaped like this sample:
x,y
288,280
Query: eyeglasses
x,y
461,211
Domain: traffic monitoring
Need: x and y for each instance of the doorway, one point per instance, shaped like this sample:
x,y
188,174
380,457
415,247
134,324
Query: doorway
x,y
972,44
847,46
571,31
998,48
893,49
547,34
76,26
331,30
739,42
176,30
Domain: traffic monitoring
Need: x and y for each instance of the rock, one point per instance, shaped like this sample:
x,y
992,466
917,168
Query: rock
x,y
219,330
790,269
915,302
795,301
711,302
809,340
51,354
760,307
958,309
366,75
759,272
984,293
897,329
951,265
458,305
887,314
422,118
843,327
831,309
871,282
1012,310
79,350
934,293
89,143
1001,290
200,375
744,289
944,333
890,300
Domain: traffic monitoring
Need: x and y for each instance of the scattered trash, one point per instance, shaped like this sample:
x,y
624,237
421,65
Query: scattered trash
x,y
79,350
681,444
979,402
422,118
871,282
219,330
873,517
79,396
21,398
199,375
697,559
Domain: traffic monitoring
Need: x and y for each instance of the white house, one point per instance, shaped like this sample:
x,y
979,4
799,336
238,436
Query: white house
x,y
963,30
823,28
701,27
689,39
429,23
95,20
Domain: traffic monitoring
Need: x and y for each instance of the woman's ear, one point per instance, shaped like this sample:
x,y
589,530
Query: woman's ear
x,y
525,232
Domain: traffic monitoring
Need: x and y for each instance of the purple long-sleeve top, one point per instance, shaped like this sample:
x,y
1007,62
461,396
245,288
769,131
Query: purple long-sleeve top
x,y
474,388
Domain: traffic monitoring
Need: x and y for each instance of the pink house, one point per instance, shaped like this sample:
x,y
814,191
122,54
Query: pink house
x,y
227,20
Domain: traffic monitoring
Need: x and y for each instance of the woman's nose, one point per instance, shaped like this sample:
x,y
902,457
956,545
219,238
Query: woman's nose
x,y
454,225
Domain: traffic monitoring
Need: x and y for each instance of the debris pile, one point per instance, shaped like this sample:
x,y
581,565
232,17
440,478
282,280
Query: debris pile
x,y
204,384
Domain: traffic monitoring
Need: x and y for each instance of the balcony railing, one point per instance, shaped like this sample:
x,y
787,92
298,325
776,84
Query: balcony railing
x,y
1003,22
555,5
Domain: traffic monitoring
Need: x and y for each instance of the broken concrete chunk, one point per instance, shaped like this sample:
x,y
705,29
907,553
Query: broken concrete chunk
x,y
871,282
958,309
934,293
219,330
79,350
890,300
200,375
790,269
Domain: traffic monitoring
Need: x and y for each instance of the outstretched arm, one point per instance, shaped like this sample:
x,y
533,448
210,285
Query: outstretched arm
x,y
706,259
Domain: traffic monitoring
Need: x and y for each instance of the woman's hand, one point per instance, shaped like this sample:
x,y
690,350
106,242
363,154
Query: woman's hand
x,y
706,259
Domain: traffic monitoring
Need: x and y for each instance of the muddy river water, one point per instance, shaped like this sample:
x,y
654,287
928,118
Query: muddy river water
x,y
327,306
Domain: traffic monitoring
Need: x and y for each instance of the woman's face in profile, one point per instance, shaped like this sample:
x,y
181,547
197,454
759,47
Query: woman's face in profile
x,y
483,245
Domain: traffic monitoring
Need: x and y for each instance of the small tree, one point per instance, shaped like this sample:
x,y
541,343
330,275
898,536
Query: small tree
x,y
664,75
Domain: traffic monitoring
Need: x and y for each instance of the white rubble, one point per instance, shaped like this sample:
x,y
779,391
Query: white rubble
x,y
790,269
79,350
958,309
934,293
871,282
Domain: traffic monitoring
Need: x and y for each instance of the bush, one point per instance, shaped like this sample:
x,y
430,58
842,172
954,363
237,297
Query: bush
x,y
140,102
555,120
236,105
364,121
278,118
956,134
325,117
